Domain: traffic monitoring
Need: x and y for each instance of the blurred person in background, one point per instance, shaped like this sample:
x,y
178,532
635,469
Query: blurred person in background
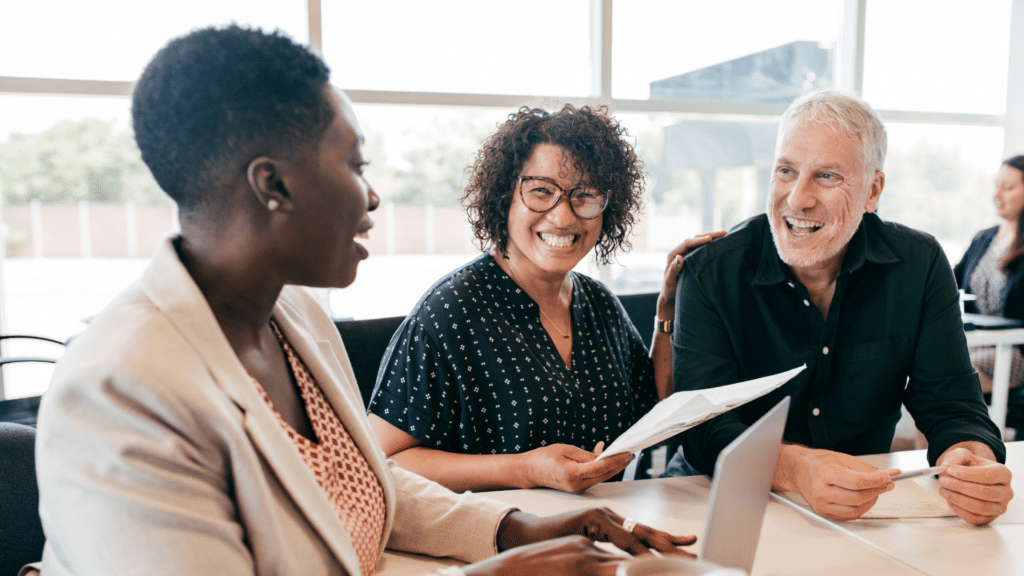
x,y
992,270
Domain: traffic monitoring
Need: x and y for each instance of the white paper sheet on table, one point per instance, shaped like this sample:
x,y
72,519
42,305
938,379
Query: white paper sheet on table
x,y
908,500
684,410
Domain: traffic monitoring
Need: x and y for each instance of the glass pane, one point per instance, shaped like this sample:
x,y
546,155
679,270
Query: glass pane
x,y
495,47
418,156
726,50
703,174
937,57
114,39
940,179
81,214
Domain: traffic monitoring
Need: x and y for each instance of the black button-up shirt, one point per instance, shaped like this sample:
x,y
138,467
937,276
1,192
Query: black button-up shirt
x,y
893,335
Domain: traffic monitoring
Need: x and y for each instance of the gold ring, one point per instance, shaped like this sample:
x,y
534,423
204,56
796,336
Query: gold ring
x,y
629,524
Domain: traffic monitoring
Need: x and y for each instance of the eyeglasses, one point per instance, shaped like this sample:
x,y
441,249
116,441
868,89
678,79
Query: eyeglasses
x,y
541,194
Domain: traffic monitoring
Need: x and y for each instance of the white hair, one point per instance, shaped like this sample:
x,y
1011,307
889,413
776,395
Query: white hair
x,y
844,112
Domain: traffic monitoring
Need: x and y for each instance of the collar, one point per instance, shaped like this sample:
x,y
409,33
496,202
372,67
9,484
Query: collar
x,y
867,245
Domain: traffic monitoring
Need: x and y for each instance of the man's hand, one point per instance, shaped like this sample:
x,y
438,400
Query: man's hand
x,y
569,468
976,487
836,485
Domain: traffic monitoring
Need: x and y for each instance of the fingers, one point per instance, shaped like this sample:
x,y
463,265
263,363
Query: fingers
x,y
598,471
841,476
991,473
843,513
691,243
644,538
978,494
565,556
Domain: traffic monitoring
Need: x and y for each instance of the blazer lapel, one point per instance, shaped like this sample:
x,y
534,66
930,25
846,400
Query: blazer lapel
x,y
172,289
328,363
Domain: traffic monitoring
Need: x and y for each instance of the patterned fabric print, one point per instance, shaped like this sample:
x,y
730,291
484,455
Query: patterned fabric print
x,y
987,284
337,464
473,371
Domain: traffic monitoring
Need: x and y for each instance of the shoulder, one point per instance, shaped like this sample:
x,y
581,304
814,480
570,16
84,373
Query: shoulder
x,y
905,242
132,360
741,247
984,238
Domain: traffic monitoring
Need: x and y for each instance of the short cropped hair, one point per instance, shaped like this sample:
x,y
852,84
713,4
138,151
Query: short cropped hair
x,y
212,100
843,111
596,144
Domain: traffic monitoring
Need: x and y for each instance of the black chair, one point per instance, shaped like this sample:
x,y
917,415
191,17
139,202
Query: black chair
x,y
24,410
20,410
641,309
21,532
366,341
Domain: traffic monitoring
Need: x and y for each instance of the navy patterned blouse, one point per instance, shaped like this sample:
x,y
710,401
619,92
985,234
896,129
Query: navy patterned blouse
x,y
473,371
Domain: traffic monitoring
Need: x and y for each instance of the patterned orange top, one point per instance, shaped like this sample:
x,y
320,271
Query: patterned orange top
x,y
339,467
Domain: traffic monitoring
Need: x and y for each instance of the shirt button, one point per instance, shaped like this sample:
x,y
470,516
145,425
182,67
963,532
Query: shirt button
x,y
825,350
806,303
815,411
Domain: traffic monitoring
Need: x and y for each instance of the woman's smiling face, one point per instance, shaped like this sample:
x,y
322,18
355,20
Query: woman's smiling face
x,y
555,241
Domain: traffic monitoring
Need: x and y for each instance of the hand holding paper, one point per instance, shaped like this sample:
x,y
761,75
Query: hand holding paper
x,y
684,410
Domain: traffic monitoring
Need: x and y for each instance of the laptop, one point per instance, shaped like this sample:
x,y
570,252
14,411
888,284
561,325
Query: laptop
x,y
982,322
739,492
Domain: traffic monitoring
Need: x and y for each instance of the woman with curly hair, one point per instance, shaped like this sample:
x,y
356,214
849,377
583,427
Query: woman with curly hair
x,y
511,368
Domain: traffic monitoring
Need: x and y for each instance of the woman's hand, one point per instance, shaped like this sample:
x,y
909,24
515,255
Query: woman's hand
x,y
567,556
564,544
569,468
673,266
597,524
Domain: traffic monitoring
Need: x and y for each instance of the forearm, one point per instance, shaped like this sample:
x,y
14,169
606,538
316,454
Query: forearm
x,y
661,357
462,472
791,463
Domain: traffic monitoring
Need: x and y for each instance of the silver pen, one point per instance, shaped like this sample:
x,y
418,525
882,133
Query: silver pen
x,y
922,472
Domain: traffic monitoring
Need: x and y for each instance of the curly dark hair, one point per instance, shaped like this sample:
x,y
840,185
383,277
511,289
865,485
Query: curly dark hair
x,y
598,147
214,99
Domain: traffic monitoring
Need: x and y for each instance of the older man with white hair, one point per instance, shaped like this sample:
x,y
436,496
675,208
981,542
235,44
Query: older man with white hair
x,y
870,306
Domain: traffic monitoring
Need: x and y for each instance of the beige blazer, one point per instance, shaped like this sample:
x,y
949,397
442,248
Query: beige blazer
x,y
156,454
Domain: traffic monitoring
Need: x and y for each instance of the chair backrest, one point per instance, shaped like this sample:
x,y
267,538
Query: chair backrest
x,y
20,410
21,532
641,309
22,349
366,341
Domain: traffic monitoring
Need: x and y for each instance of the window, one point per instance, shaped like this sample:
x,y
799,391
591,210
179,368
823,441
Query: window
x,y
726,50
530,47
114,39
699,86
937,56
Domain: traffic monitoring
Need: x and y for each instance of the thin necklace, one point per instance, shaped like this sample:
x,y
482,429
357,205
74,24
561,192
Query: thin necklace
x,y
552,322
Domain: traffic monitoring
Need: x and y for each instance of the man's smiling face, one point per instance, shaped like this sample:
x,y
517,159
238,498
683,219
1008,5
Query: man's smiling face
x,y
820,189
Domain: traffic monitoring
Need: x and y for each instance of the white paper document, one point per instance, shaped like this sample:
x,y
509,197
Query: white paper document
x,y
908,500
684,410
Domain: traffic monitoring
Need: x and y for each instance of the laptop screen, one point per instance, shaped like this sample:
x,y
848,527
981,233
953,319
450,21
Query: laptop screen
x,y
739,491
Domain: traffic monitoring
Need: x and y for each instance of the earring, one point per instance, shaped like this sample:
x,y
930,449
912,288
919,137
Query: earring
x,y
272,204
